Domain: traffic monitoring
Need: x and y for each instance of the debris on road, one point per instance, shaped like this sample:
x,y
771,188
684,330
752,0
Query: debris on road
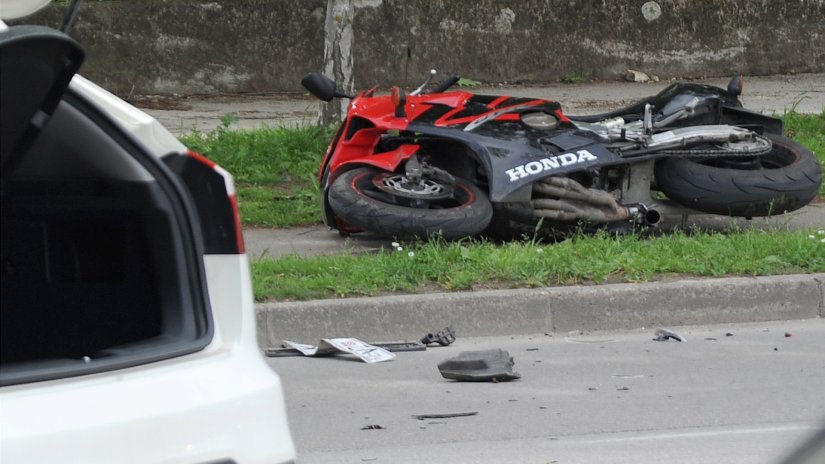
x,y
663,335
479,366
393,347
444,416
368,353
444,337
788,334
354,346
372,427
729,334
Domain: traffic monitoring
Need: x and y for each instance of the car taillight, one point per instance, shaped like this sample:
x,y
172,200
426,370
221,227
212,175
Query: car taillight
x,y
213,192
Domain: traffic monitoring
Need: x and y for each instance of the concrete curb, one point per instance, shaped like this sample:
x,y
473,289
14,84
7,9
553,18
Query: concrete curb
x,y
546,310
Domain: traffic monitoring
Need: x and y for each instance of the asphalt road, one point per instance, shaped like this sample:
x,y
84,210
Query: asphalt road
x,y
615,397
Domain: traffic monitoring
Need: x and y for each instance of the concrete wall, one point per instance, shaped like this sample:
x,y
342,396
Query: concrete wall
x,y
237,46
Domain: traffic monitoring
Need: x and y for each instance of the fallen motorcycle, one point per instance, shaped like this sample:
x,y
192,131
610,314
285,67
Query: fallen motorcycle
x,y
458,164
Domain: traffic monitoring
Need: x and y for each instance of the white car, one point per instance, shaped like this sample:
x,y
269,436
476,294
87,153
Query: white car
x,y
127,320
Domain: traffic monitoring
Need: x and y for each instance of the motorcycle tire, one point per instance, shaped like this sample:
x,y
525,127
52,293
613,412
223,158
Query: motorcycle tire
x,y
355,198
782,180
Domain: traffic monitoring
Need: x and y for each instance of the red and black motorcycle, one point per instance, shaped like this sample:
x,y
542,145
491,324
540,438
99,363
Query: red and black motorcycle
x,y
460,164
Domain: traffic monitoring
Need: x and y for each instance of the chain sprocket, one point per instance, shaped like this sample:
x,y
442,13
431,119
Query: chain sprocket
x,y
765,146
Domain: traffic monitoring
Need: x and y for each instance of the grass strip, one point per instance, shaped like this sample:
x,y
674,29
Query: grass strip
x,y
274,170
582,259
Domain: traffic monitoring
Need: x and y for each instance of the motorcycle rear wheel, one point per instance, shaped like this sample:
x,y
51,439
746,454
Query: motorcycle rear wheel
x,y
782,180
373,200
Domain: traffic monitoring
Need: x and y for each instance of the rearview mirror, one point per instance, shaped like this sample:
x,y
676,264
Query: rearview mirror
x,y
736,86
319,85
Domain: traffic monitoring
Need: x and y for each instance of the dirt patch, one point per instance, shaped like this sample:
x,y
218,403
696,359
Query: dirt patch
x,y
160,103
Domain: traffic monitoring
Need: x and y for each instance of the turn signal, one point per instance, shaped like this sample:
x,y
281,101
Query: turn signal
x,y
399,99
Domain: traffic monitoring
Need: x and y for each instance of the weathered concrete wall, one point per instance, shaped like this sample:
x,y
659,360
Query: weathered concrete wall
x,y
238,46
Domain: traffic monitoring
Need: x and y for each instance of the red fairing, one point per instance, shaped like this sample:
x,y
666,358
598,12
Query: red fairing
x,y
369,117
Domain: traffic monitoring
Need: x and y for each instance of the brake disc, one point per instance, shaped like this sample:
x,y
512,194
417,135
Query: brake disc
x,y
399,185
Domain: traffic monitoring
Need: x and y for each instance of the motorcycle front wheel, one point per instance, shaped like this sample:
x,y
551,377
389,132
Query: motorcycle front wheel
x,y
389,204
782,180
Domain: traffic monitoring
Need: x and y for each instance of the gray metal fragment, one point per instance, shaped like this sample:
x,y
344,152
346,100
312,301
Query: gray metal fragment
x,y
479,366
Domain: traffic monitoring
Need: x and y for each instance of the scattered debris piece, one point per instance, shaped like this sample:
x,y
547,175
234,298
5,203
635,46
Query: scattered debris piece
x,y
729,334
444,337
395,347
788,335
775,349
479,366
623,388
372,427
368,353
392,347
532,349
589,342
444,416
633,75
592,388
663,335
710,338
627,376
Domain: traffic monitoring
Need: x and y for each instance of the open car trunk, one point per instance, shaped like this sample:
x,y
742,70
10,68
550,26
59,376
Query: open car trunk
x,y
101,260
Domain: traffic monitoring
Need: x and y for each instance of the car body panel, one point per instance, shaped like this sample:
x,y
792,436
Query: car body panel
x,y
214,401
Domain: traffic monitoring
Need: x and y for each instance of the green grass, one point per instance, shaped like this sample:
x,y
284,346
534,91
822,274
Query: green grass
x,y
809,130
274,169
578,77
600,258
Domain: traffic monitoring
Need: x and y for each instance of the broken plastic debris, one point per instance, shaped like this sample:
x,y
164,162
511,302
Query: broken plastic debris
x,y
479,366
372,427
443,337
392,347
368,353
663,335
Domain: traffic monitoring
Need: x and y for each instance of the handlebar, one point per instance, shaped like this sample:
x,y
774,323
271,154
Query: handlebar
x,y
449,82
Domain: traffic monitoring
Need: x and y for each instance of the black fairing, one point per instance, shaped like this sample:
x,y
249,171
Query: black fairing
x,y
513,154
709,96
715,106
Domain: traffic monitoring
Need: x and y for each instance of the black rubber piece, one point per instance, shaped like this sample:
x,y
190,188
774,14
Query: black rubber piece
x,y
479,366
783,180
356,201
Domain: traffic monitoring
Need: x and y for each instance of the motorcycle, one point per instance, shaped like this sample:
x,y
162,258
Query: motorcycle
x,y
458,164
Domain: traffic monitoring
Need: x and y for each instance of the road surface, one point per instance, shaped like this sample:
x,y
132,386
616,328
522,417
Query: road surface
x,y
615,397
